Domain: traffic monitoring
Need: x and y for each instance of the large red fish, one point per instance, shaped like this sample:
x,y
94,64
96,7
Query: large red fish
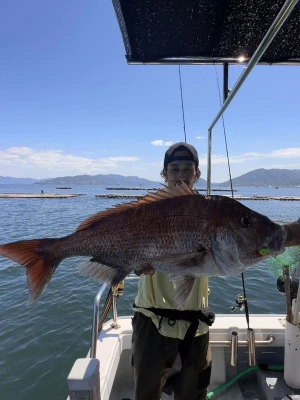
x,y
175,230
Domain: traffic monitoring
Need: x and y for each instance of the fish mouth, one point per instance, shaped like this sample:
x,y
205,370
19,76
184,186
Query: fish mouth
x,y
275,244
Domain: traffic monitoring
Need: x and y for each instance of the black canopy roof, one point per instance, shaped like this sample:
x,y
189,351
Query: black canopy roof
x,y
205,31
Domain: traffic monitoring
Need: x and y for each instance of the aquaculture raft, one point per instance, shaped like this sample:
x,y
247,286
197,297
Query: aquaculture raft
x,y
36,196
237,197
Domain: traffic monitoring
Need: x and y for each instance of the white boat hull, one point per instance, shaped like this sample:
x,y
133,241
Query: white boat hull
x,y
114,353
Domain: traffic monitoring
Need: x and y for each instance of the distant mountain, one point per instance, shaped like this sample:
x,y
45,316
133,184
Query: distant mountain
x,y
111,179
268,177
8,180
201,183
259,177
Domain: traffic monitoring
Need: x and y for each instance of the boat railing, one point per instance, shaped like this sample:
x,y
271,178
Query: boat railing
x,y
84,377
95,326
250,341
96,320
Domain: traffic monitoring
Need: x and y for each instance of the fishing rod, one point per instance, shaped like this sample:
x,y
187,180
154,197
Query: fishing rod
x,y
182,105
241,301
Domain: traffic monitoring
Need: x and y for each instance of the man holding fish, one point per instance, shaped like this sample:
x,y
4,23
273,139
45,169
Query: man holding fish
x,y
182,236
158,338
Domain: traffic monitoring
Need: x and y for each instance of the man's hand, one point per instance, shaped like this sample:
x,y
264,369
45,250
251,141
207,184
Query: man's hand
x,y
145,269
293,233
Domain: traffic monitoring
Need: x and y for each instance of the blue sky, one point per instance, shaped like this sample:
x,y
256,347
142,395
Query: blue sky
x,y
70,104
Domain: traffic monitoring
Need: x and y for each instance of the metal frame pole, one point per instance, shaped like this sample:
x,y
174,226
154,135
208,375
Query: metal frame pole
x,y
225,81
273,30
96,320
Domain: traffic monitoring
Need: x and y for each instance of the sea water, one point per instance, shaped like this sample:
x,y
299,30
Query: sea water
x,y
39,343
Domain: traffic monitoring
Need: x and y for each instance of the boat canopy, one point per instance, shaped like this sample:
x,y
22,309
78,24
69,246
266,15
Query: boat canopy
x,y
206,31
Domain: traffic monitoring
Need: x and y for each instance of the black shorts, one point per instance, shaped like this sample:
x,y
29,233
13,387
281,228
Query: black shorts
x,y
153,356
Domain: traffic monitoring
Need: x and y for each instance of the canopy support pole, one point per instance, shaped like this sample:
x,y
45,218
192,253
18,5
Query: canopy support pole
x,y
273,30
225,81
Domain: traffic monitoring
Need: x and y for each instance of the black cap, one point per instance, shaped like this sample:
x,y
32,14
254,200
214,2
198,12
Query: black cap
x,y
181,146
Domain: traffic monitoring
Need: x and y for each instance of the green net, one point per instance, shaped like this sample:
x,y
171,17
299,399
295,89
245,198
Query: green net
x,y
290,257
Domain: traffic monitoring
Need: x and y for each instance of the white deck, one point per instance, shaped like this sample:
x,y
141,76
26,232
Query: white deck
x,y
112,343
114,353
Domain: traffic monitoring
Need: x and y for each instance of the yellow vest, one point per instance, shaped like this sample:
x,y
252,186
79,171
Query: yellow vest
x,y
158,291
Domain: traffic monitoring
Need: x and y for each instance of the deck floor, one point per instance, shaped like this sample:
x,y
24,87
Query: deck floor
x,y
258,385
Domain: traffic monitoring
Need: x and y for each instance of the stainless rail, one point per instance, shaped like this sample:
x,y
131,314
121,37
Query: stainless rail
x,y
251,347
96,315
234,341
215,343
269,36
270,340
115,313
96,320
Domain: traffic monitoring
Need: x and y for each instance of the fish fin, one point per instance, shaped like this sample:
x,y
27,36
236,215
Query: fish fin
x,y
183,286
102,273
161,194
40,264
226,254
182,260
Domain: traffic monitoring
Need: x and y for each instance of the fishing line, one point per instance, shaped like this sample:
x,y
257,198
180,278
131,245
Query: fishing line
x,y
245,302
231,186
224,131
182,105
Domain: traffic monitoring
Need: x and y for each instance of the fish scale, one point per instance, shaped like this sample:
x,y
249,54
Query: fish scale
x,y
175,230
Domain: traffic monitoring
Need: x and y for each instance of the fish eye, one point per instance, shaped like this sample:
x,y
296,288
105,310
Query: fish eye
x,y
245,221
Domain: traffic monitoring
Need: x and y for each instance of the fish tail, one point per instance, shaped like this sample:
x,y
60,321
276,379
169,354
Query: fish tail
x,y
38,259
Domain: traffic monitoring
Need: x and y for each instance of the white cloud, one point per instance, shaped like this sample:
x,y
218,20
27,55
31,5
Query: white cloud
x,y
293,152
139,168
26,162
288,153
288,158
157,164
160,142
20,150
123,159
200,137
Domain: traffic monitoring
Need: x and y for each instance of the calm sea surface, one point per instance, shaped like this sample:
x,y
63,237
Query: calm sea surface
x,y
39,343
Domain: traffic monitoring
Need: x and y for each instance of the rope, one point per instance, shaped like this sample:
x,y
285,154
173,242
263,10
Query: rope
x,y
182,105
113,291
224,131
106,309
228,163
231,186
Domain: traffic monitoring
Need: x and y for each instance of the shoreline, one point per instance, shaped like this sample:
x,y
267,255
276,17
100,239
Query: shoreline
x,y
37,196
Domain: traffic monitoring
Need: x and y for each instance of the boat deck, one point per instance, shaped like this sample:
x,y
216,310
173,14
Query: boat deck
x,y
116,380
257,385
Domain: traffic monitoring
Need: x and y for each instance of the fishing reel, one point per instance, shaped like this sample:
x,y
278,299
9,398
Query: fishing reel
x,y
118,290
240,303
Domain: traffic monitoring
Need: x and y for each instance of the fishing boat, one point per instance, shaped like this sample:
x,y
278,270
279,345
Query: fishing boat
x,y
254,356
